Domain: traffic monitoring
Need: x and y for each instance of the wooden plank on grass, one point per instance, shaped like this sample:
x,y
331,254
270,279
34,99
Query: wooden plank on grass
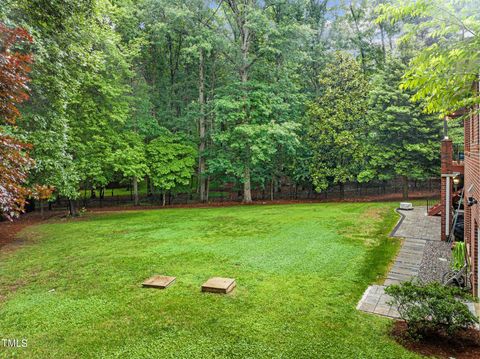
x,y
158,281
219,285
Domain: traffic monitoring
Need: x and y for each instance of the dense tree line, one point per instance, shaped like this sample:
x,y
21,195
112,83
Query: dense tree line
x,y
193,94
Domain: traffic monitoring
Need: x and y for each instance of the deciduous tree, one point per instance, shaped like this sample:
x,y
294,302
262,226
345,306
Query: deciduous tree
x,y
129,159
171,163
15,162
446,60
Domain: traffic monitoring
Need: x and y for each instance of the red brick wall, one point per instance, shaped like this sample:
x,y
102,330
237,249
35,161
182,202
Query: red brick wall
x,y
472,177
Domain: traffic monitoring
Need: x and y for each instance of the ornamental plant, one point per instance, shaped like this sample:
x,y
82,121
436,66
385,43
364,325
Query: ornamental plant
x,y
431,308
14,153
458,255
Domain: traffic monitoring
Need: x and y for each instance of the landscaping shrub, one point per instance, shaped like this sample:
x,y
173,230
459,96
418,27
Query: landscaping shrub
x,y
431,308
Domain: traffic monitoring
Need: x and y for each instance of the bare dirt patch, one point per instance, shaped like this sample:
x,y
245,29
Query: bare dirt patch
x,y
464,345
10,288
9,230
374,213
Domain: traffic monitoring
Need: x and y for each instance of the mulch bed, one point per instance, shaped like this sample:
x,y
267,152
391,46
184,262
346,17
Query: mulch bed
x,y
464,345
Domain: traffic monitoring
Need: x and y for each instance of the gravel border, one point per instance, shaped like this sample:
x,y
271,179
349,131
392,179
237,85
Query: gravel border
x,y
435,261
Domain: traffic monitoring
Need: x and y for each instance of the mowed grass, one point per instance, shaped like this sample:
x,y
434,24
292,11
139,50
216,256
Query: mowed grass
x,y
300,269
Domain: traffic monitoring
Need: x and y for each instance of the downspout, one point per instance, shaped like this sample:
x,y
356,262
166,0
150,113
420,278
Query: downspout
x,y
447,206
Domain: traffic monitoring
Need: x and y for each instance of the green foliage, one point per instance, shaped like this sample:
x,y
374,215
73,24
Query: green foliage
x,y
171,163
79,92
256,129
459,255
447,58
337,123
402,140
129,159
431,308
264,89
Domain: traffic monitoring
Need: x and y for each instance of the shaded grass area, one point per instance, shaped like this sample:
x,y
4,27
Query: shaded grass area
x,y
300,271
142,191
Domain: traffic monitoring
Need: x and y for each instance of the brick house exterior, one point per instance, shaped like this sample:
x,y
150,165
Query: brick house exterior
x,y
472,190
470,168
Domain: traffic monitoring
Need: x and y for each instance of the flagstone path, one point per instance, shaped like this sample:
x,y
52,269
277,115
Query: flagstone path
x,y
416,228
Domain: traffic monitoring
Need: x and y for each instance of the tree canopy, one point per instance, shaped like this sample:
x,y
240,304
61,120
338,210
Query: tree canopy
x,y
251,95
447,33
15,161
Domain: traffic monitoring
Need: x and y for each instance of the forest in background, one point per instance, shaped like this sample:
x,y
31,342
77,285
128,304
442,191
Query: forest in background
x,y
191,95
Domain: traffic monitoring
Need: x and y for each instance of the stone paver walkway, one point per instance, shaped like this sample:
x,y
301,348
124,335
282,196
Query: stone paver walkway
x,y
417,224
416,227
375,300
407,263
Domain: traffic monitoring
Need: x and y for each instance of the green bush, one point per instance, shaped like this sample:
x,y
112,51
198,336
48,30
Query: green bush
x,y
431,308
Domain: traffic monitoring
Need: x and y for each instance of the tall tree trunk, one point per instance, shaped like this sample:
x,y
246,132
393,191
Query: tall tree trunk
x,y
272,188
41,208
101,195
207,189
163,198
384,52
359,38
342,190
240,11
247,192
72,205
405,187
149,187
135,190
202,180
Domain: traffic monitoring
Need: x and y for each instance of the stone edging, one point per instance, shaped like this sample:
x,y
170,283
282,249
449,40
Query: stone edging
x,y
399,223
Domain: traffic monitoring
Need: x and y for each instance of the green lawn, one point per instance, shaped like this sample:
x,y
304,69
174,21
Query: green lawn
x,y
300,270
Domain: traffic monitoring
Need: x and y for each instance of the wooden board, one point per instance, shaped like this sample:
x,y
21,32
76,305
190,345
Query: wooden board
x,y
158,281
219,285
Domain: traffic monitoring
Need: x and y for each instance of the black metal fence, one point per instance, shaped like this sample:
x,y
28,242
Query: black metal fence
x,y
350,191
